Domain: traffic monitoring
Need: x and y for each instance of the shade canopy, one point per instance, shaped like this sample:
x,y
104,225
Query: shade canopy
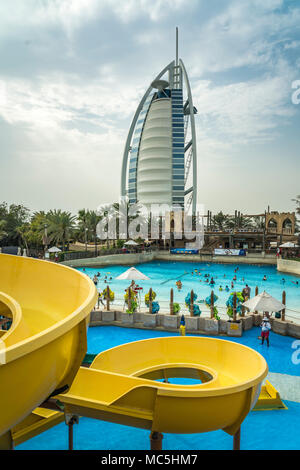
x,y
133,274
130,242
289,245
54,249
264,303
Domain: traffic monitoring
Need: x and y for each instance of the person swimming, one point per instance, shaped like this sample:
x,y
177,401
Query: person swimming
x,y
264,278
227,289
220,288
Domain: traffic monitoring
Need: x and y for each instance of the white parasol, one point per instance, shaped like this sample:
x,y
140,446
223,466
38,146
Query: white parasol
x,y
133,274
264,302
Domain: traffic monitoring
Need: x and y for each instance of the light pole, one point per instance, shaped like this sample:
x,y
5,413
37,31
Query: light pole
x,y
45,241
86,230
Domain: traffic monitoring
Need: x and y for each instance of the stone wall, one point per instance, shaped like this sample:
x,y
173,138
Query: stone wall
x,y
129,259
288,266
194,325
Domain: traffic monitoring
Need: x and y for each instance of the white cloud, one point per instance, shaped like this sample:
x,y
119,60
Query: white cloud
x,y
73,106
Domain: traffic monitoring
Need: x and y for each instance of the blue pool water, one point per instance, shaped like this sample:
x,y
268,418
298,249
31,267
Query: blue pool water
x,y
278,429
163,276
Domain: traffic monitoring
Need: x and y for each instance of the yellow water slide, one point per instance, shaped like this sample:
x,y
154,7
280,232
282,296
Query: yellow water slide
x,y
123,385
40,354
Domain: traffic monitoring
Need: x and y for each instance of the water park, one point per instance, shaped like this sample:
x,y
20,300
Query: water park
x,y
177,382
162,314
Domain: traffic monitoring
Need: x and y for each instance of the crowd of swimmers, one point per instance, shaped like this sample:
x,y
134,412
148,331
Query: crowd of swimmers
x,y
210,280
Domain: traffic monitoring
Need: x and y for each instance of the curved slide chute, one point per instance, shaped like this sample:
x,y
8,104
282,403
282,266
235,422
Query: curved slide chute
x,y
41,352
123,385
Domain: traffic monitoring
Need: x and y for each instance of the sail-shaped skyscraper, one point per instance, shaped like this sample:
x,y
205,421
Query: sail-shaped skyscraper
x,y
160,156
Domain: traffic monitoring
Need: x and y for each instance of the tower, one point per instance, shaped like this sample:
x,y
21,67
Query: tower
x,y
160,149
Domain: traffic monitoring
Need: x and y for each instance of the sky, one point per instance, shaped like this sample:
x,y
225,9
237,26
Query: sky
x,y
72,73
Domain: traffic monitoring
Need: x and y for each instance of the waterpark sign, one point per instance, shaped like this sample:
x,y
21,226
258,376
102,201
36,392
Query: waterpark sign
x,y
227,252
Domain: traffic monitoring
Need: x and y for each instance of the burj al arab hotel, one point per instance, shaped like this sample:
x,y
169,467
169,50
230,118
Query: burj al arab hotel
x,y
160,157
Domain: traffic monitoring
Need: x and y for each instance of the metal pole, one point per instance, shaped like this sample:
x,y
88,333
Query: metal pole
x,y
85,237
107,298
70,429
192,303
150,300
45,239
129,298
156,440
176,47
284,303
212,302
171,302
256,293
234,306
237,440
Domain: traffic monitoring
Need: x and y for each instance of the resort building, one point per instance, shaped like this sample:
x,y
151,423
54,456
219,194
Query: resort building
x,y
160,157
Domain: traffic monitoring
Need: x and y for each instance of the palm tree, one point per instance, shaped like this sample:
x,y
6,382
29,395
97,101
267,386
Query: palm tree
x,y
23,232
241,222
220,221
259,222
92,221
297,201
128,212
61,225
82,232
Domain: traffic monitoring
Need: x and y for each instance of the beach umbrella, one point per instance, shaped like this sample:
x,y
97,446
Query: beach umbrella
x,y
131,243
264,302
54,249
133,274
289,245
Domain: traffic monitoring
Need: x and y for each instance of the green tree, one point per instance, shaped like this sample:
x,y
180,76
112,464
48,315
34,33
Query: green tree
x,y
14,216
92,221
220,221
3,233
60,227
297,201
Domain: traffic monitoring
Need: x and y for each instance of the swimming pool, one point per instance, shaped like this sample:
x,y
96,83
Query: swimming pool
x,y
278,429
164,274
